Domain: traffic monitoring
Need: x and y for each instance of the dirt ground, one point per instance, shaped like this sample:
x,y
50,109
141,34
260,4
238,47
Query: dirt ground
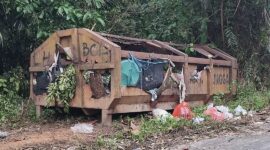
x,y
58,135
49,136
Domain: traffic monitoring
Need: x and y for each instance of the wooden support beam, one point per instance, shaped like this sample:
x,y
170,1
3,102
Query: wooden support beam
x,y
186,75
37,69
181,59
153,44
210,77
96,66
168,47
106,117
143,55
121,37
221,54
204,52
142,107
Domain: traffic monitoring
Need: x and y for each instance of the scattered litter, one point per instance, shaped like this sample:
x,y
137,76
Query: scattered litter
x,y
153,93
258,123
237,118
179,78
214,114
197,73
135,130
73,148
239,110
226,111
195,76
210,105
198,120
218,113
250,113
160,114
183,110
82,128
3,134
222,108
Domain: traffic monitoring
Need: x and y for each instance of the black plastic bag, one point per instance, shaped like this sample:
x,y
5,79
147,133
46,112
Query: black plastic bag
x,y
42,83
152,73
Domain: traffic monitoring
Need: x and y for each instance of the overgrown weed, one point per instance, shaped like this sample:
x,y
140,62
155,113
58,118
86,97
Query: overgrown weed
x,y
247,96
12,86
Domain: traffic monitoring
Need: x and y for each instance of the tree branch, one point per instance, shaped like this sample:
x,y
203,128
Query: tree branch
x,y
222,22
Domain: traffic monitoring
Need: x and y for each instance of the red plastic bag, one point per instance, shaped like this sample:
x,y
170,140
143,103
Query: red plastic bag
x,y
182,110
214,114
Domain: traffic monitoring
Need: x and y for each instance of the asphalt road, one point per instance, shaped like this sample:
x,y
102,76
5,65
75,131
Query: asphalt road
x,y
252,142
256,138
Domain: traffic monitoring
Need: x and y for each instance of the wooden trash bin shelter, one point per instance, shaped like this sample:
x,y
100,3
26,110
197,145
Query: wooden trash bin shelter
x,y
92,51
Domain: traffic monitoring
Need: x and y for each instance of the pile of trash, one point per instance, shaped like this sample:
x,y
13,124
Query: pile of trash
x,y
82,128
153,76
216,113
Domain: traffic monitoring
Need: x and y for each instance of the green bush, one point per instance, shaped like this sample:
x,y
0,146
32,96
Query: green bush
x,y
63,89
12,86
247,96
250,98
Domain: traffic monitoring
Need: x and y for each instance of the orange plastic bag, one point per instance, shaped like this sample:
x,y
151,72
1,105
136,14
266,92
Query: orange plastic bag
x,y
182,110
214,114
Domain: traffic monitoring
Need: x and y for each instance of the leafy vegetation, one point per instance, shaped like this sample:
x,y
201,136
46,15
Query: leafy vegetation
x,y
150,129
240,28
24,24
11,98
154,126
63,89
247,96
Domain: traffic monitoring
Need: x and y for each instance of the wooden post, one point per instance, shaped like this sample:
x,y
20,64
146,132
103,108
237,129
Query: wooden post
x,y
186,75
38,111
106,117
209,82
210,78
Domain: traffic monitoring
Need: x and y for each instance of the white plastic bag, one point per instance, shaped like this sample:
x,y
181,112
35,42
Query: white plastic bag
x,y
82,128
161,114
239,110
3,134
222,108
198,120
226,111
210,105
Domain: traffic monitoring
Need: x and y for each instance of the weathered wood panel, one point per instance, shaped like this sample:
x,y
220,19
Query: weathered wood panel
x,y
221,79
200,86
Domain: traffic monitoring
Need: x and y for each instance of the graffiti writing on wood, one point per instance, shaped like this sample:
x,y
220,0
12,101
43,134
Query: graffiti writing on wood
x,y
96,50
221,78
89,50
194,81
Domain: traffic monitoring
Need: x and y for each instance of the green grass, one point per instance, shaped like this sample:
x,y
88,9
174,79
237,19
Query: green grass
x,y
247,96
149,127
